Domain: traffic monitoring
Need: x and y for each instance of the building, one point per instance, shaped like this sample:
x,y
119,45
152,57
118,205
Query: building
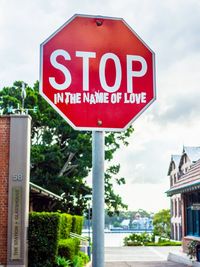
x,y
175,203
43,200
184,175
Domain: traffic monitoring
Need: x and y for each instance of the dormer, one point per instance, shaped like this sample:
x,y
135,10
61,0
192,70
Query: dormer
x,y
173,169
189,156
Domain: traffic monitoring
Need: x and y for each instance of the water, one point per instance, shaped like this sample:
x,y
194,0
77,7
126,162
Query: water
x,y
112,238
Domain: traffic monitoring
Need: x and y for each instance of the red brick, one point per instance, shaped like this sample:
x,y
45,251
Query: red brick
x,y
4,173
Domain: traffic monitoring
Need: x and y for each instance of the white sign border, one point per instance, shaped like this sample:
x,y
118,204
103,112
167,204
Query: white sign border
x,y
60,112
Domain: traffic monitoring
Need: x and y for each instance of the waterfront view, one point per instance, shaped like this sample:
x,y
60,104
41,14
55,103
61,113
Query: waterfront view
x,y
113,238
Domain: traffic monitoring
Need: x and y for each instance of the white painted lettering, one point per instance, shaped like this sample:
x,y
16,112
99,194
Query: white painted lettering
x,y
73,98
101,97
102,74
135,98
62,68
130,73
86,56
58,98
143,97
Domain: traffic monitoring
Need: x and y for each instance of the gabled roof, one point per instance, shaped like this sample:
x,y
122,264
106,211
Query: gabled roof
x,y
193,153
174,159
190,181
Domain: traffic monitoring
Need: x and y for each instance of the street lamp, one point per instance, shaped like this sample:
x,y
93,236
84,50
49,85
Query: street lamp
x,y
18,109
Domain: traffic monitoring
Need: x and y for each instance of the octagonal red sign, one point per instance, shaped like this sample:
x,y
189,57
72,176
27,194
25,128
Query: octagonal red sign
x,y
97,73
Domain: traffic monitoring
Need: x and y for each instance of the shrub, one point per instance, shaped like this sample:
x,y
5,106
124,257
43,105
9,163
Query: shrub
x,y
192,248
77,224
138,239
78,261
145,239
61,261
43,235
161,223
68,248
45,230
65,225
84,256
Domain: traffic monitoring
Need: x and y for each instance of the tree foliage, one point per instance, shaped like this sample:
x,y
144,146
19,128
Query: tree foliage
x,y
117,218
161,223
61,158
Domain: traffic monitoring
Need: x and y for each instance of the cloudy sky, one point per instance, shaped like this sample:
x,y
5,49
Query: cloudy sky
x,y
172,30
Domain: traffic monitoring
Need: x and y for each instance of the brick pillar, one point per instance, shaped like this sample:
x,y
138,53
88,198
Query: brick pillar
x,y
14,189
4,173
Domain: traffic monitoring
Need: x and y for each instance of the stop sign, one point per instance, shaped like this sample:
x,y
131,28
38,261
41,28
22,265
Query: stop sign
x,y
97,73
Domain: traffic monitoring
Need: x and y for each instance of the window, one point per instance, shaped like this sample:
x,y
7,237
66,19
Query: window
x,y
192,216
174,178
180,232
189,222
179,208
175,207
172,208
176,231
172,231
196,215
193,222
173,166
171,181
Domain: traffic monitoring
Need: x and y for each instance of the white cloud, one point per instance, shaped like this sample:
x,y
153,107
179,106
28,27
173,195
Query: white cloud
x,y
146,196
171,28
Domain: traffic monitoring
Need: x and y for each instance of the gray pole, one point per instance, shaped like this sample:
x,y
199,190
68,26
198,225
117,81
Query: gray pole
x,y
98,199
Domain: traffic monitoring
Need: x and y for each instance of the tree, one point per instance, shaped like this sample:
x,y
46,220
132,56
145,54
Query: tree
x,y
61,158
113,219
161,223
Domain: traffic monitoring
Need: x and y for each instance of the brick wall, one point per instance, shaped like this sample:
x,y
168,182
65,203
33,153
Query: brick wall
x,y
186,242
4,172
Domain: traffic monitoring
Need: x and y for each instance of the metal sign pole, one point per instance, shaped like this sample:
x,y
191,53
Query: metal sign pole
x,y
98,199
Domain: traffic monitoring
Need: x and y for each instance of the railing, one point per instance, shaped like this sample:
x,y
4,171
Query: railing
x,y
85,243
80,237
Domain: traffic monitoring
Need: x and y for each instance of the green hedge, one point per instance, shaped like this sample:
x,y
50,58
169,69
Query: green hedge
x,y
146,239
78,261
68,248
49,237
43,238
77,224
164,244
65,225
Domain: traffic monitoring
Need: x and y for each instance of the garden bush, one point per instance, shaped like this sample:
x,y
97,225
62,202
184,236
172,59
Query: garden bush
x,y
192,249
65,225
77,224
62,262
145,239
84,256
43,235
49,239
138,239
68,248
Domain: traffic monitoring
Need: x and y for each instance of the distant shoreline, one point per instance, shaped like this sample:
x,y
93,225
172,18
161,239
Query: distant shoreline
x,y
113,231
